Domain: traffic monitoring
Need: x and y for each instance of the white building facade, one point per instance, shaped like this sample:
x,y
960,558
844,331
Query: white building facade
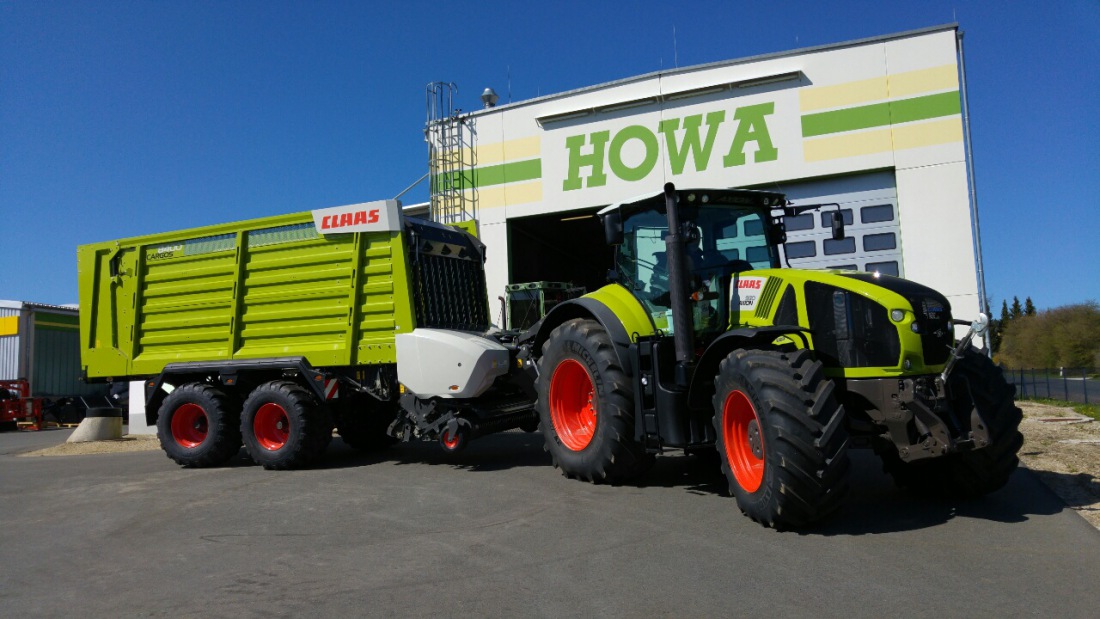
x,y
875,125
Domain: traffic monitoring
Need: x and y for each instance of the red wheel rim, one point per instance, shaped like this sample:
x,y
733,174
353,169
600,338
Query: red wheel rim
x,y
744,441
271,426
189,425
572,404
451,441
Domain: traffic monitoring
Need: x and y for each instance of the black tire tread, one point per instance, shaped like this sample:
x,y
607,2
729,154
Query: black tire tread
x,y
808,453
223,430
313,422
974,473
617,457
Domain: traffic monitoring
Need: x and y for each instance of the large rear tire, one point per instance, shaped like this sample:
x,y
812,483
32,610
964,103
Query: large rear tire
x,y
198,426
283,426
781,437
975,473
586,406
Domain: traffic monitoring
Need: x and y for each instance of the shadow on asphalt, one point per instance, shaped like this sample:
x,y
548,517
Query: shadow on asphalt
x,y
873,511
874,504
498,452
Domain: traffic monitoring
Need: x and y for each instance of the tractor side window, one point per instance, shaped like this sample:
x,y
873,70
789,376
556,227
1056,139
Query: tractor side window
x,y
742,237
642,263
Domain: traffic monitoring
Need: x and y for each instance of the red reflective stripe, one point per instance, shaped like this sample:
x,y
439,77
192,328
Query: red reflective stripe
x,y
331,391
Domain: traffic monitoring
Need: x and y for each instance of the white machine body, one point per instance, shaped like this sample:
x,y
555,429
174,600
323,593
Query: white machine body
x,y
448,364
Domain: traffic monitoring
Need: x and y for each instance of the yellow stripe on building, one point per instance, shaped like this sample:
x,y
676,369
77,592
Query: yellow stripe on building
x,y
911,83
916,135
509,195
847,145
896,85
500,152
900,137
511,150
9,325
842,95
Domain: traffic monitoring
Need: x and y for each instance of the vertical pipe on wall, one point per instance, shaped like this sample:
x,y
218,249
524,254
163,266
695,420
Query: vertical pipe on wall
x,y
974,222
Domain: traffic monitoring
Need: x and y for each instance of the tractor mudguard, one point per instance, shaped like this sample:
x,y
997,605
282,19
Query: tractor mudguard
x,y
702,382
614,308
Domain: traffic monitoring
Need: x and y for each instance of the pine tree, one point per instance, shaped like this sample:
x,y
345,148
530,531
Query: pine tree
x,y
1029,307
997,329
1017,311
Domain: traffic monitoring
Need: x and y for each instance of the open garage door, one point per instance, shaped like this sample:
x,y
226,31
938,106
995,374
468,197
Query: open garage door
x,y
560,247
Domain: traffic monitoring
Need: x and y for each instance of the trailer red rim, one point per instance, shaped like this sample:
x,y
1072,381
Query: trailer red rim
x,y
572,404
190,425
744,441
271,426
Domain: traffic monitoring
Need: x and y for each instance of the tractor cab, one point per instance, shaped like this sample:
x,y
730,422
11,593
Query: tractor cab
x,y
723,232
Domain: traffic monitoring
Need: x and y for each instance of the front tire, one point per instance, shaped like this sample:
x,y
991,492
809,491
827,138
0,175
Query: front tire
x,y
283,427
586,406
781,437
197,426
969,474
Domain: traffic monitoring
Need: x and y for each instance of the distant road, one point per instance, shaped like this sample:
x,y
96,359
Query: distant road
x,y
1073,389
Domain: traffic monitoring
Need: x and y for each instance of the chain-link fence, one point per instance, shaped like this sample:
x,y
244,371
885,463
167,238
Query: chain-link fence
x,y
1070,384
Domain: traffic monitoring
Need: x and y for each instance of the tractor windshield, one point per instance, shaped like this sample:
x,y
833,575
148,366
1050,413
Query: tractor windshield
x,y
728,239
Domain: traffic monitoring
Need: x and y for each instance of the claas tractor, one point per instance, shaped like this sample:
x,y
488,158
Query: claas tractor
x,y
702,342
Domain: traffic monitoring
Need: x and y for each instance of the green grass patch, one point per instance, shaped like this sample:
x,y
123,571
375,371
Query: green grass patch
x,y
1088,410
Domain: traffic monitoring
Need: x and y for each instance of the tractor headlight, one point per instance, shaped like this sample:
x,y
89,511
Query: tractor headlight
x,y
915,327
897,315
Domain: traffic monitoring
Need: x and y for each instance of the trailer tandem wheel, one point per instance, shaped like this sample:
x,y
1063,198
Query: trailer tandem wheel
x,y
197,426
283,426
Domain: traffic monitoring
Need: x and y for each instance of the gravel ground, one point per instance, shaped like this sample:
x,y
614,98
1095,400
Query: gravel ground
x,y
1060,446
1063,449
142,442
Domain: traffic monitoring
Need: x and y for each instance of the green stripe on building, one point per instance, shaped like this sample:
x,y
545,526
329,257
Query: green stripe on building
x,y
61,321
881,114
513,172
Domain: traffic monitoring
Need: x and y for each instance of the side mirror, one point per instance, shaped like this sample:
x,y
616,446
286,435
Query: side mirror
x,y
838,225
613,228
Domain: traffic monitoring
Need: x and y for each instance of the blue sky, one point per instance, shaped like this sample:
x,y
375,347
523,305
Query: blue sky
x,y
127,118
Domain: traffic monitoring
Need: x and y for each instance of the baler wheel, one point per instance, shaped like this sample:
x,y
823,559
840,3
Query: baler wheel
x,y
453,441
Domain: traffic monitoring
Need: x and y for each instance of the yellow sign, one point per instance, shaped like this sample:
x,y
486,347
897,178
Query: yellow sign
x,y
9,325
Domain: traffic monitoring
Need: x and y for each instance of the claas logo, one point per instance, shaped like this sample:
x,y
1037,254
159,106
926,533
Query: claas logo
x,y
753,284
342,220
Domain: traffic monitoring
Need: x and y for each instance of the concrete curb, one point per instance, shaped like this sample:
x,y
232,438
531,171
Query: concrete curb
x,y
101,424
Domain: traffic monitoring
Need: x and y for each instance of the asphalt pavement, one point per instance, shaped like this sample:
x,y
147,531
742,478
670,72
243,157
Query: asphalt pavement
x,y
496,531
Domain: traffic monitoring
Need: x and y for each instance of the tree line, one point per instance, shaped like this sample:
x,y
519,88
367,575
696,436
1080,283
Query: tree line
x,y
1067,336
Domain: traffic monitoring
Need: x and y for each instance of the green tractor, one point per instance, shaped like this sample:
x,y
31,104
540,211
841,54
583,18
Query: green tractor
x,y
702,342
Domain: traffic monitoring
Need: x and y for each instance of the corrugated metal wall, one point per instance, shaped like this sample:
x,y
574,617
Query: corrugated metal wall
x,y
42,344
56,358
9,343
